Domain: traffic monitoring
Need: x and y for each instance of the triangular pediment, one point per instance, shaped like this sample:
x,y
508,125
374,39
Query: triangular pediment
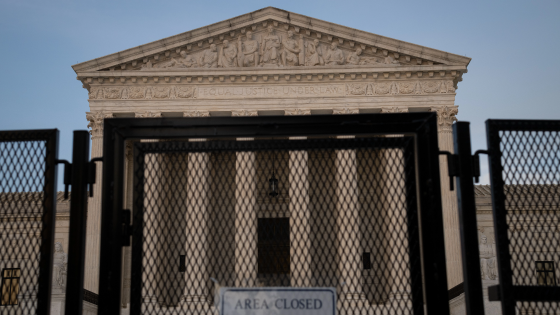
x,y
314,43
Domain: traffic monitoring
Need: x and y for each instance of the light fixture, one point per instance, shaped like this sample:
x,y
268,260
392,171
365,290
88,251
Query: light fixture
x,y
273,182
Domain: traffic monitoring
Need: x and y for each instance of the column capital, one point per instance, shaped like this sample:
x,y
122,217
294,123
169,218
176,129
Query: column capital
x,y
196,113
297,112
446,117
345,111
244,112
95,119
394,109
148,114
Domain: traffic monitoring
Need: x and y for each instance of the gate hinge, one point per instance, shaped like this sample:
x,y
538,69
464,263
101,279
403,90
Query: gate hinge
x,y
92,170
67,176
126,228
452,166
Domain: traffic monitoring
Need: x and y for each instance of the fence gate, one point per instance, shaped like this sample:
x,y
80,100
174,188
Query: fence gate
x,y
524,158
27,205
316,201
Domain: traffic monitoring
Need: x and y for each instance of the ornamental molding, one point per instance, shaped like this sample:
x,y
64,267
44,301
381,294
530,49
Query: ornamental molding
x,y
148,114
326,89
446,117
96,120
278,38
196,113
394,109
345,111
244,112
297,112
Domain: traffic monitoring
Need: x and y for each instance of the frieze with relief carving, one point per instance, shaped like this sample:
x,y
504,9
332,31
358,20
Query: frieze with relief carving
x,y
162,92
274,47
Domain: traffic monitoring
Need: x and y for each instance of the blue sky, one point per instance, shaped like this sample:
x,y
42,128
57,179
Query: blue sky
x,y
514,72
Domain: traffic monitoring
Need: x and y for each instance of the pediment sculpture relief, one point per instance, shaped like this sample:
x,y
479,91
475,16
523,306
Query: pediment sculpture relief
x,y
272,49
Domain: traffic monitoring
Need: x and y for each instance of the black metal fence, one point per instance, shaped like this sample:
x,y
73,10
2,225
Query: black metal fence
x,y
249,205
524,158
27,214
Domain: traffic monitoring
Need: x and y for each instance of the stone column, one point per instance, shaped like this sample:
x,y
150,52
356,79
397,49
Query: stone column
x,y
300,229
446,117
348,216
245,214
93,232
196,247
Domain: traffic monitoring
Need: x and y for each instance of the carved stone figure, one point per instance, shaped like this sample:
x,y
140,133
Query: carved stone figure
x,y
269,49
391,61
147,65
228,56
314,54
488,265
291,51
60,260
248,51
187,61
354,58
209,58
334,56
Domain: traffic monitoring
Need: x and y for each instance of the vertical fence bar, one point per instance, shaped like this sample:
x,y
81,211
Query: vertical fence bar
x,y
500,217
431,218
48,220
467,220
110,262
136,279
78,220
412,227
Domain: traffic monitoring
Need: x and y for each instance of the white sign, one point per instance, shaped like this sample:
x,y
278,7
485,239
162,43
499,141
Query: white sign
x,y
277,300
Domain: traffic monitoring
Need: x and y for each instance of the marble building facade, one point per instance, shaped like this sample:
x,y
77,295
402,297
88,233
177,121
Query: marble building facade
x,y
272,62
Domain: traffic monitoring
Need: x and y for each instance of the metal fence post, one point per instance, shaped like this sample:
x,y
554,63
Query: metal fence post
x,y
467,220
78,219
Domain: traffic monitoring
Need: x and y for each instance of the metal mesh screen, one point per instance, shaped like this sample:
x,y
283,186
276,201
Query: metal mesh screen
x,y
336,213
22,202
531,175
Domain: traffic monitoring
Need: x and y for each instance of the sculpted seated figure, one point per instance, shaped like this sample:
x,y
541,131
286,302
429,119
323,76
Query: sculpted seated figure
x,y
269,49
208,58
291,51
228,56
314,54
248,51
355,58
334,56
